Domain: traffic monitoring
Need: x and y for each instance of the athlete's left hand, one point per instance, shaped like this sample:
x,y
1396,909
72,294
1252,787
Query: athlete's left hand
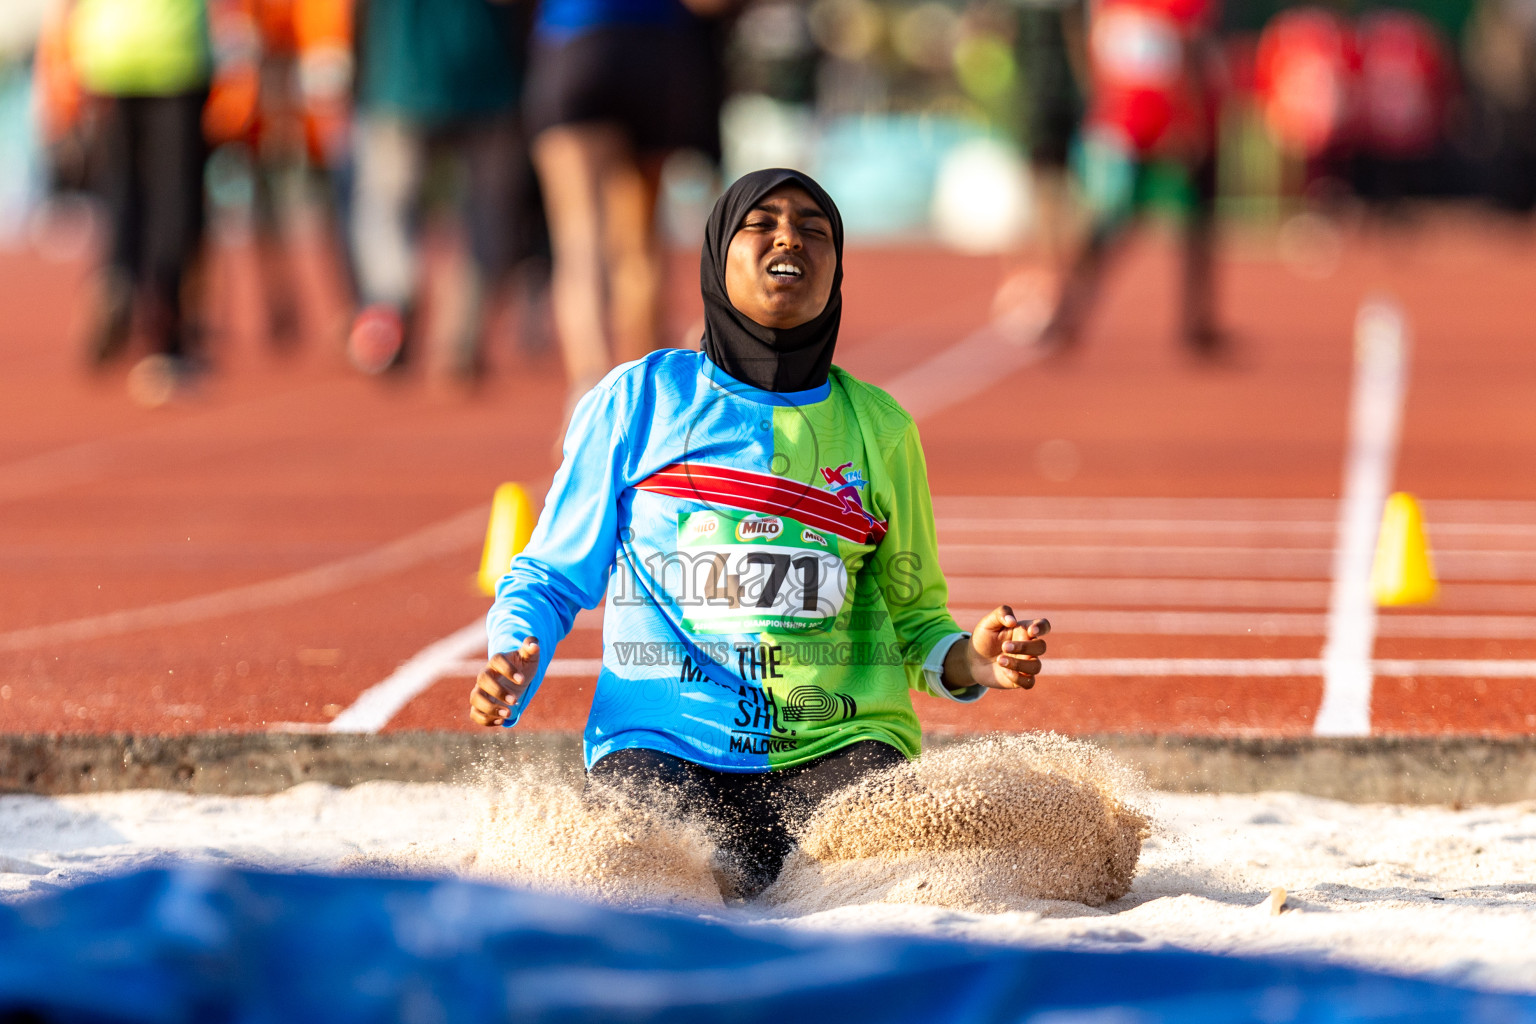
x,y
1003,653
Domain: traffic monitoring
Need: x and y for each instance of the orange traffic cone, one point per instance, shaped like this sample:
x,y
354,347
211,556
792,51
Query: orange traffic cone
x,y
511,524
1404,571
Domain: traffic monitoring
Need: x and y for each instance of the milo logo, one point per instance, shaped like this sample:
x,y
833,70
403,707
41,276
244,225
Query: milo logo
x,y
810,536
756,527
703,527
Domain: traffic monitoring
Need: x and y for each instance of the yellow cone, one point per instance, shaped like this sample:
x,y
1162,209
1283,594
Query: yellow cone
x,y
507,534
1404,572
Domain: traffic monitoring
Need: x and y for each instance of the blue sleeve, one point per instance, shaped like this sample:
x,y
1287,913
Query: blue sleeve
x,y
566,564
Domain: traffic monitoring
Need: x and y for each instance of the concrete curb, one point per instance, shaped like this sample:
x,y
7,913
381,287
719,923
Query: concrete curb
x,y
1448,770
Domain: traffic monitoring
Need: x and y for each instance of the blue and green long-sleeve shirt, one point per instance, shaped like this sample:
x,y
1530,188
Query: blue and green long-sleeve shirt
x,y
767,562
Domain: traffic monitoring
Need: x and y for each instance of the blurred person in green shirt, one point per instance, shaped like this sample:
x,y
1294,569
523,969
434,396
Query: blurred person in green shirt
x,y
147,64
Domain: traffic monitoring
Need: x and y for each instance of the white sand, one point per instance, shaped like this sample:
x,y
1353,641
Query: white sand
x,y
1449,893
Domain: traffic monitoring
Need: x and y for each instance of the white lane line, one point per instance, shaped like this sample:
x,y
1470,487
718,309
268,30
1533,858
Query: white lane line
x,y
975,363
1289,667
1376,408
1108,593
379,703
1032,507
1272,533
1454,564
447,536
1138,560
1275,511
1231,668
1106,622
442,659
1110,622
1138,592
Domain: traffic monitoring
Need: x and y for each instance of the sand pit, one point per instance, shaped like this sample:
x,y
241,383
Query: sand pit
x,y
1450,893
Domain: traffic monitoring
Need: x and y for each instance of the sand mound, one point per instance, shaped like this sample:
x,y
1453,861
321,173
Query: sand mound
x,y
993,825
553,837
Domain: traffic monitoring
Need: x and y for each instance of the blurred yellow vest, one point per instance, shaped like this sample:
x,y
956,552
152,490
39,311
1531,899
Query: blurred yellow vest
x,y
140,47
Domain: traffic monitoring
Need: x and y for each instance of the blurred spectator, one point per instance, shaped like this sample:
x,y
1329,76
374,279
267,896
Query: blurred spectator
x,y
1406,83
614,86
254,110
1500,61
1154,69
1051,45
1305,78
148,63
21,176
435,77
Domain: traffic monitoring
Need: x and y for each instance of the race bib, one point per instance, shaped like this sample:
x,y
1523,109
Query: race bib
x,y
746,572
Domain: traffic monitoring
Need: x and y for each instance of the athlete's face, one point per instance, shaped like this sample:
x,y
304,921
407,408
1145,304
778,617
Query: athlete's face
x,y
780,265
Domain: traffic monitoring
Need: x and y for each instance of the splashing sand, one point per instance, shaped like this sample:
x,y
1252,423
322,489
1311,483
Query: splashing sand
x,y
555,837
985,826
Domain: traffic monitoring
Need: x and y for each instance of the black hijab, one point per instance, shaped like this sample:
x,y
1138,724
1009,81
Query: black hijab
x,y
793,359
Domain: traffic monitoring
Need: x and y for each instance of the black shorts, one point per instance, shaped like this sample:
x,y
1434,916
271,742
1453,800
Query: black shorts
x,y
661,84
750,815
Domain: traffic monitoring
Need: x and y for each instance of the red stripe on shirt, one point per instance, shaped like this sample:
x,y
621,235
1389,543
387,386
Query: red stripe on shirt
x,y
761,492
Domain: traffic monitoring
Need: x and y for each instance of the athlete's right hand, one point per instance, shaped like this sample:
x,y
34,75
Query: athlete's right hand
x,y
502,682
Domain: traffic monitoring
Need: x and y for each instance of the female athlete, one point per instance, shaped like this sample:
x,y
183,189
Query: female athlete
x,y
777,589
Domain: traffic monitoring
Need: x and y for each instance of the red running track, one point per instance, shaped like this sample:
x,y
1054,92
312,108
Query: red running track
x,y
259,555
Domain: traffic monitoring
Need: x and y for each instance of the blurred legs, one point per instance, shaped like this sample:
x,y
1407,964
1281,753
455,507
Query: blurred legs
x,y
390,156
634,257
572,161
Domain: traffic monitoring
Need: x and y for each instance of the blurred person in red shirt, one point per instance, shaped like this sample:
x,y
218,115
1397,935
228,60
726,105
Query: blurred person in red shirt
x,y
280,103
1305,77
1154,69
1405,87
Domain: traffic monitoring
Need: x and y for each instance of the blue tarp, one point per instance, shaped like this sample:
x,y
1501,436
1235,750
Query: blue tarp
x,y
226,946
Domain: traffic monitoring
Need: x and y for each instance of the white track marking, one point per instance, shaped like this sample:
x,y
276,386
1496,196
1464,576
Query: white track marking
x,y
1108,592
1228,668
1276,512
442,538
441,659
1241,668
1375,414
1269,530
1107,622
1272,532
1213,563
1222,595
1065,508
1137,560
379,703
960,372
